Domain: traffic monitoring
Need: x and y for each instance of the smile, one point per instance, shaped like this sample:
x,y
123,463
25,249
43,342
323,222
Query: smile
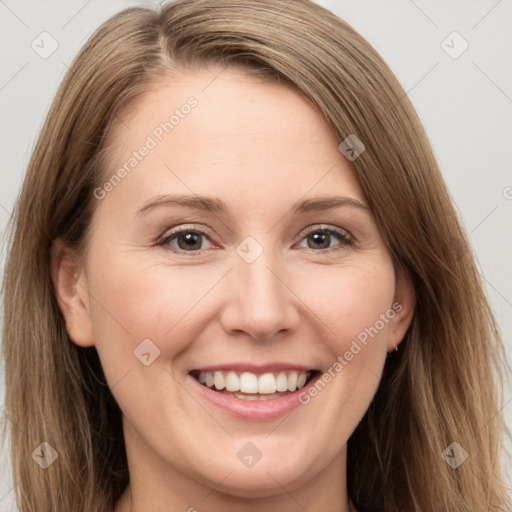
x,y
251,386
253,395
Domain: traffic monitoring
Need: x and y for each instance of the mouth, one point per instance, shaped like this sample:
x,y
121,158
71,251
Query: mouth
x,y
246,385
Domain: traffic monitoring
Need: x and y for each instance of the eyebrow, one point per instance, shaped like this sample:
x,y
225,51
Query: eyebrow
x,y
327,203
210,204
216,205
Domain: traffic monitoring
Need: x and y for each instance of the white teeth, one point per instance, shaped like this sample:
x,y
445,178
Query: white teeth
x,y
248,382
232,382
267,384
281,382
292,381
301,380
220,383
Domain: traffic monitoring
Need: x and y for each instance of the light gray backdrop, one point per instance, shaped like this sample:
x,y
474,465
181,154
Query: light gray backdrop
x,y
453,59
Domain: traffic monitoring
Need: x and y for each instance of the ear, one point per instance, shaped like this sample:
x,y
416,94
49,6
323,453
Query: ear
x,y
404,303
71,293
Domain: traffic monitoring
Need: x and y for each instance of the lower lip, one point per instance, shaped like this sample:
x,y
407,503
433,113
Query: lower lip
x,y
255,410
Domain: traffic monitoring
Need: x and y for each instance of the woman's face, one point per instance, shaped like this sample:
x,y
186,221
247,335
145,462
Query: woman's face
x,y
240,245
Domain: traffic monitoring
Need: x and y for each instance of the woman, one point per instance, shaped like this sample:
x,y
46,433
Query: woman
x,y
242,282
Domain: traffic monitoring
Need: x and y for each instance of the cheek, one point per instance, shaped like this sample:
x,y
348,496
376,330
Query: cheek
x,y
145,317
351,300
133,300
355,306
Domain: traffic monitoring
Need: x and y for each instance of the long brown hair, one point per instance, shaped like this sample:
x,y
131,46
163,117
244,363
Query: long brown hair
x,y
442,386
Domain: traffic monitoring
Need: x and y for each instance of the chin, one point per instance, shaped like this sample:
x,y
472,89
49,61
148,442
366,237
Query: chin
x,y
264,479
257,485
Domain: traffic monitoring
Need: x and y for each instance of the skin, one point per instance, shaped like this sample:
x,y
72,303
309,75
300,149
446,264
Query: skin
x,y
259,147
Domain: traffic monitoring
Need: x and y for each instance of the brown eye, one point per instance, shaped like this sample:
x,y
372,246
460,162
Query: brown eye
x,y
319,240
187,240
190,241
325,238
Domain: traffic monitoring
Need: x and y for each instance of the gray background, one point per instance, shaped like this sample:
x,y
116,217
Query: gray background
x,y
465,104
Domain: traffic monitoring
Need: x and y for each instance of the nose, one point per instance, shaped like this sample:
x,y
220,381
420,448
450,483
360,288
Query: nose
x,y
260,301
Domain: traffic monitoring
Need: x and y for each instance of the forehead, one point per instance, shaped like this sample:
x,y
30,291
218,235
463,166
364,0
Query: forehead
x,y
223,133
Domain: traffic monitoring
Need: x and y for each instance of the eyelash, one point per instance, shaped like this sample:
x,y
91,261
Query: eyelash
x,y
342,236
165,241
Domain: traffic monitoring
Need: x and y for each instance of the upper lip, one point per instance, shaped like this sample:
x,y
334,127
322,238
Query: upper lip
x,y
254,368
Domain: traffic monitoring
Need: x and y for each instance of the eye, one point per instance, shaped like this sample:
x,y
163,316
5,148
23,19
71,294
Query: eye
x,y
325,239
186,239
